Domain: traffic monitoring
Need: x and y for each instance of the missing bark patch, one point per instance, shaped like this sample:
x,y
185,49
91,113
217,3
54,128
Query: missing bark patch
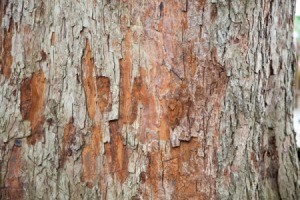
x,y
90,155
125,80
213,12
97,89
118,152
32,104
178,113
53,38
104,98
202,3
6,52
13,185
175,112
69,139
89,80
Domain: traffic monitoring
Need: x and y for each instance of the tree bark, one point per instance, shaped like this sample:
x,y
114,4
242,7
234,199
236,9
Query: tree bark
x,y
129,99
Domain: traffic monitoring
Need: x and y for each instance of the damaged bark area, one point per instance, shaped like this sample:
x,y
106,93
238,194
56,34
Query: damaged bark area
x,y
32,104
6,59
147,100
89,81
69,139
103,85
13,188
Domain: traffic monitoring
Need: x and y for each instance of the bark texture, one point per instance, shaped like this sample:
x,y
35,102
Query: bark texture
x,y
183,99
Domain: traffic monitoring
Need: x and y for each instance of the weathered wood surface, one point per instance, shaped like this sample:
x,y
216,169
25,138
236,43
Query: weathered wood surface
x,y
151,99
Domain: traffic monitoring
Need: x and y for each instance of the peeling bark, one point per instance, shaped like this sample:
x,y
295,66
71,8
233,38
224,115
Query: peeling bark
x,y
147,100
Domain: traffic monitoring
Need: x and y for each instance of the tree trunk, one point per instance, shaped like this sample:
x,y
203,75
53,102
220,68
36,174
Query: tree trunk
x,y
129,99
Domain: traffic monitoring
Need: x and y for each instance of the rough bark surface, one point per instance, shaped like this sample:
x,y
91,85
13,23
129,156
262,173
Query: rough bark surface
x,y
151,99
